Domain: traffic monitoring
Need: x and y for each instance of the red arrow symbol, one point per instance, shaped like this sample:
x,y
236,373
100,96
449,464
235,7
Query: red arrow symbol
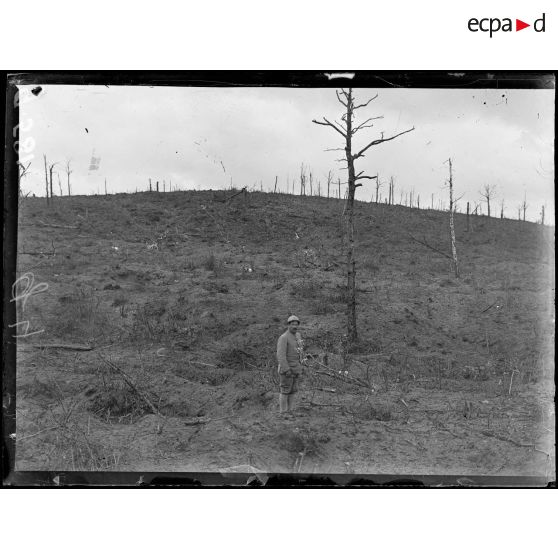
x,y
519,25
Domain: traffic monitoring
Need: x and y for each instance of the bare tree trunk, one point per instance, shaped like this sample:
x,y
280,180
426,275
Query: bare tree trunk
x,y
150,188
349,227
157,186
105,187
275,187
452,227
68,173
50,172
542,215
524,206
377,188
347,131
339,187
46,180
468,220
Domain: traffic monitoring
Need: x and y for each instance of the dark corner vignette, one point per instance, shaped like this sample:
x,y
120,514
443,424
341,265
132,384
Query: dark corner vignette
x,y
9,241
315,79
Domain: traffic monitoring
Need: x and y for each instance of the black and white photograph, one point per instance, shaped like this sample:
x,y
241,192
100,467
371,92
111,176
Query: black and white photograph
x,y
283,275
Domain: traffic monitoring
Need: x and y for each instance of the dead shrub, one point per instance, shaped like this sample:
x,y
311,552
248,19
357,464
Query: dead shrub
x,y
322,306
369,410
235,358
307,287
80,314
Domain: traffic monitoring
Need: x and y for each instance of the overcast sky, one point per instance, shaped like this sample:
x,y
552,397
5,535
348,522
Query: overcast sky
x,y
205,137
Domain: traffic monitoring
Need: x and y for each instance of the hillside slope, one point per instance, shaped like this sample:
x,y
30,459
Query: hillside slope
x,y
183,295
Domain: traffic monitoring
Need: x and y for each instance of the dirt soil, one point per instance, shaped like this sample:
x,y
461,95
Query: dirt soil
x,y
180,298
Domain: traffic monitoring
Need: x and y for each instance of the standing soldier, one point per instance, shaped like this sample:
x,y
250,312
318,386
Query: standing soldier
x,y
289,351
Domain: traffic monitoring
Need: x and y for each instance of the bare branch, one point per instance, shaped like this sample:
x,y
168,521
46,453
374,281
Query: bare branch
x,y
360,176
364,104
342,126
335,149
424,243
378,141
326,122
345,93
365,124
339,98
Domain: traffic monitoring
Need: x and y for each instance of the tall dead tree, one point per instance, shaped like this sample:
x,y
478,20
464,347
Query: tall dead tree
x,y
347,128
502,207
377,188
46,180
329,177
524,205
23,170
69,171
59,184
302,180
487,193
452,226
50,169
542,215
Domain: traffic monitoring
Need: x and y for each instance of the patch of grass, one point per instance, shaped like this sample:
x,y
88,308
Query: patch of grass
x,y
235,358
307,287
79,315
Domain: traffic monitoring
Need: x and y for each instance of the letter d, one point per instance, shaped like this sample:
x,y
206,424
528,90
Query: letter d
x,y
536,27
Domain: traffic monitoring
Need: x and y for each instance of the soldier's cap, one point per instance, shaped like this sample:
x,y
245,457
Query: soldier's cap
x,y
293,318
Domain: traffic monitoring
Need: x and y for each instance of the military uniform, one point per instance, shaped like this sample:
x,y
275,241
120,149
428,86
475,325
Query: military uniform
x,y
288,356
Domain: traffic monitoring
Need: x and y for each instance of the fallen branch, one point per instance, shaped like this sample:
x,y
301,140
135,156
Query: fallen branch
x,y
205,420
505,439
36,433
332,374
37,253
130,383
325,404
43,224
63,346
424,243
234,195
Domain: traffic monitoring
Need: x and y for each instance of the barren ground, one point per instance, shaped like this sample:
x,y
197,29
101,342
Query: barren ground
x,y
182,297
